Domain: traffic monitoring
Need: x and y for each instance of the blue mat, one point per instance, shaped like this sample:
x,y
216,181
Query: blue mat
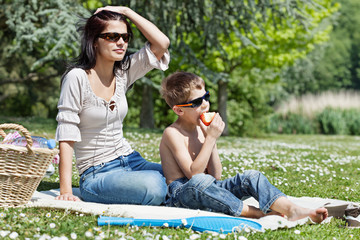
x,y
201,223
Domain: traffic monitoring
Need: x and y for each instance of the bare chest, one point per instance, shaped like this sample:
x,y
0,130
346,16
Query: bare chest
x,y
101,89
194,146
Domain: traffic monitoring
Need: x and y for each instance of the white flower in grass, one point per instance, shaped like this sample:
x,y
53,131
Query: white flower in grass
x,y
242,238
4,233
13,235
88,234
166,225
73,236
222,236
48,215
2,215
52,225
195,236
297,232
164,237
184,222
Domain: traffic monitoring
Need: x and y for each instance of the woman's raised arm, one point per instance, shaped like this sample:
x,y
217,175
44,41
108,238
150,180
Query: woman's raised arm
x,y
159,42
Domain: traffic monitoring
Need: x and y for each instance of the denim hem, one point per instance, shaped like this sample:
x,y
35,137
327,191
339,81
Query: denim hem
x,y
238,212
266,208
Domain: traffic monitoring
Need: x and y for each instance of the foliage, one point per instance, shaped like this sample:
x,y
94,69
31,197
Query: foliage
x,y
334,65
352,119
36,37
218,40
330,121
268,50
291,123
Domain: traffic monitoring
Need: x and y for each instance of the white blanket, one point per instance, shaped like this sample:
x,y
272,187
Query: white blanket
x,y
46,199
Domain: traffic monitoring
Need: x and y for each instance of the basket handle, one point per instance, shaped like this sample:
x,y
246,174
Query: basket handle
x,y
20,128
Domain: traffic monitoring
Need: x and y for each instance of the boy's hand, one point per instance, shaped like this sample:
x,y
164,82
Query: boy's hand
x,y
215,129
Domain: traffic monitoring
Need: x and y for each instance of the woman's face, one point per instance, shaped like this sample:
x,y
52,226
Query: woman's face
x,y
108,50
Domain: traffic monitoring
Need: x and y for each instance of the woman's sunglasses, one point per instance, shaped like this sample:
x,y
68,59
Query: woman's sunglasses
x,y
196,102
114,36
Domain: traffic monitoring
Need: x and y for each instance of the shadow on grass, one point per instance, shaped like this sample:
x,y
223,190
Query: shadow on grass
x,y
45,185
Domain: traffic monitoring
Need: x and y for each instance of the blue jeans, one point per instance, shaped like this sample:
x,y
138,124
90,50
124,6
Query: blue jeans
x,y
204,192
126,180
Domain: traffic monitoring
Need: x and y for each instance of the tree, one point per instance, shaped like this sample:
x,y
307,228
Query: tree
x,y
268,50
35,38
333,66
198,28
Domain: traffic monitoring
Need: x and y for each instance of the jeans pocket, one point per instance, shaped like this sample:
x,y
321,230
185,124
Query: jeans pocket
x,y
93,172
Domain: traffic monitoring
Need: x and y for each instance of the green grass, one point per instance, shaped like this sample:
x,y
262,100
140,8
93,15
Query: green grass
x,y
315,166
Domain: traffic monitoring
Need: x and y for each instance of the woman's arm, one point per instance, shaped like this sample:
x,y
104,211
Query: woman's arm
x,y
65,171
159,42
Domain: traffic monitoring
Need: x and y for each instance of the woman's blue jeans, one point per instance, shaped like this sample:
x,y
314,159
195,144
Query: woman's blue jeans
x,y
126,180
204,192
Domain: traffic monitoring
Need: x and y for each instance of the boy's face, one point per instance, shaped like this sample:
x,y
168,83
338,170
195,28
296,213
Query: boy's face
x,y
195,112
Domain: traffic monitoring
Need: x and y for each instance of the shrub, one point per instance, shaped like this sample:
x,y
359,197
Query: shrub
x,y
291,123
331,121
352,119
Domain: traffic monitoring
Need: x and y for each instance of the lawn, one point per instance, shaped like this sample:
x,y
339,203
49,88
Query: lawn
x,y
299,165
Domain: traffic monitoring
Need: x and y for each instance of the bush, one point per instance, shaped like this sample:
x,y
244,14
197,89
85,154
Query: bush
x,y
331,121
352,119
291,123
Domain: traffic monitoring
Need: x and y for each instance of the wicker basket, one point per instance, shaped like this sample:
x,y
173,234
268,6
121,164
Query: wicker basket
x,y
21,168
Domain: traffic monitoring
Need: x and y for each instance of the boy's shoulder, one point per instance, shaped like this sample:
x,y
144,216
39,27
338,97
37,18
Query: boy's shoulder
x,y
172,129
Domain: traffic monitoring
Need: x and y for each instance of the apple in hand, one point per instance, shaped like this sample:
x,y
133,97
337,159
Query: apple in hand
x,y
207,117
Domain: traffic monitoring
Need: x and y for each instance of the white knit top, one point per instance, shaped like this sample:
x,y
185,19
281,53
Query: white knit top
x,y
94,124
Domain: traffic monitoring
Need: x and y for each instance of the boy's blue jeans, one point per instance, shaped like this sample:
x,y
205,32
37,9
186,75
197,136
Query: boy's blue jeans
x,y
204,192
126,180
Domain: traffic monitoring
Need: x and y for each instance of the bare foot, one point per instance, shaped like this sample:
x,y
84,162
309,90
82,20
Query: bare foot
x,y
275,213
317,215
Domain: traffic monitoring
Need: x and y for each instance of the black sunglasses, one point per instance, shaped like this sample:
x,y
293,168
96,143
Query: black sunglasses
x,y
114,36
196,102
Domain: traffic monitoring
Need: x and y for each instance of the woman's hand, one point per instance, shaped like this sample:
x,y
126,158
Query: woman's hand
x,y
68,197
118,9
159,42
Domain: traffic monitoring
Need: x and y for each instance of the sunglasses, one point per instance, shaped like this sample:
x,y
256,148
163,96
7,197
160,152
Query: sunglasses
x,y
196,102
114,36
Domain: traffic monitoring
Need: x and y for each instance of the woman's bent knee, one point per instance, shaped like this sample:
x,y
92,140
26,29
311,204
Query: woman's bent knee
x,y
154,189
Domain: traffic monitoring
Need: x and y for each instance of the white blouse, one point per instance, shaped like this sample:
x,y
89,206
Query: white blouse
x,y
94,124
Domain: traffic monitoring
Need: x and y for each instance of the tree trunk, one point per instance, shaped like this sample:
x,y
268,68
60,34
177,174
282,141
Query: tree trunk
x,y
222,103
147,108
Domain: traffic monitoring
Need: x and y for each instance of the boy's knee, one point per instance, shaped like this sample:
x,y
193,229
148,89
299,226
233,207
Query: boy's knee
x,y
201,181
252,174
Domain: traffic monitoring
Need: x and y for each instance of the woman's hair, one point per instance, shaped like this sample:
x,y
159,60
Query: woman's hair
x,y
176,88
89,34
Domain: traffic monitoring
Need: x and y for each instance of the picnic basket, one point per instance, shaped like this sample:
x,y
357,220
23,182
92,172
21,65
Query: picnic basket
x,y
21,168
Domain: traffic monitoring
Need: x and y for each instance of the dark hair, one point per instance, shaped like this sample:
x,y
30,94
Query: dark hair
x,y
89,34
176,88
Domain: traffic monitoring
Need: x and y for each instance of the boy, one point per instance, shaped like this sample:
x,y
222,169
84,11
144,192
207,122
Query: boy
x,y
193,169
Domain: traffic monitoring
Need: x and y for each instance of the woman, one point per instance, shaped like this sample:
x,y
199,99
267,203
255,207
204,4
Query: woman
x,y
92,107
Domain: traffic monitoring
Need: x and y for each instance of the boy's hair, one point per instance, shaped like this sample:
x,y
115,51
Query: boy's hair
x,y
175,88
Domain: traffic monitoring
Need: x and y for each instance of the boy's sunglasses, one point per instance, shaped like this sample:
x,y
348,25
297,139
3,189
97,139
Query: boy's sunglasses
x,y
114,36
196,102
